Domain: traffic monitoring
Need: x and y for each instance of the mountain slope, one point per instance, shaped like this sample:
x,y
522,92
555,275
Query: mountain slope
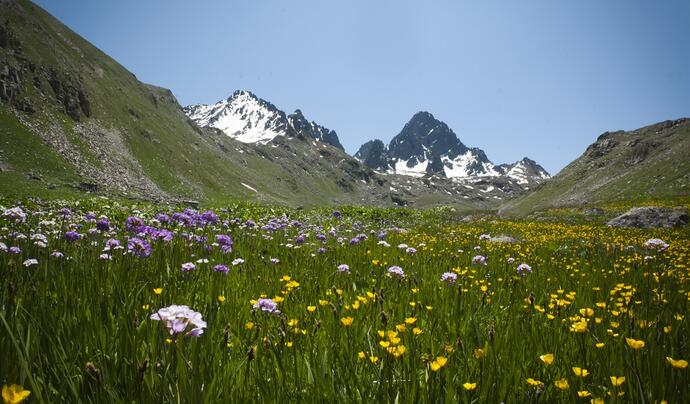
x,y
650,162
73,120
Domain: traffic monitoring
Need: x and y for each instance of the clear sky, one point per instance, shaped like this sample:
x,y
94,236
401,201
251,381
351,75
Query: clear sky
x,y
536,78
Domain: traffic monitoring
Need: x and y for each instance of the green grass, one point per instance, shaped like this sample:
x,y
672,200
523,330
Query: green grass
x,y
78,328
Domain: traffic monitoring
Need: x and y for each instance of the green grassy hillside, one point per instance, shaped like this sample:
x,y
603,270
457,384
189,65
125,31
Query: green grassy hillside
x,y
646,164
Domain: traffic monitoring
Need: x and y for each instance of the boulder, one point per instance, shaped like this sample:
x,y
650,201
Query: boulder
x,y
650,217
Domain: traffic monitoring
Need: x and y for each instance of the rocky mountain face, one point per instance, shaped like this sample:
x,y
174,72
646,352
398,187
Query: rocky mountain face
x,y
647,163
428,147
250,119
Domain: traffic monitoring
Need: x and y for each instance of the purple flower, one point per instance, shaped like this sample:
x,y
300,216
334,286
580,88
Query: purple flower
x,y
103,224
162,234
250,223
267,305
14,250
396,272
15,214
337,214
225,242
90,216
655,244
524,269
344,268
411,250
209,217
139,247
479,260
300,239
221,268
321,237
162,218
134,224
321,250
72,236
111,244
188,267
66,212
177,319
449,277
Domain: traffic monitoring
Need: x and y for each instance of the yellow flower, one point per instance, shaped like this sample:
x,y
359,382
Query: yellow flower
x,y
158,291
677,363
288,344
400,327
562,384
373,359
534,383
384,344
221,298
438,363
416,331
617,380
597,401
410,320
249,325
579,327
323,302
14,394
547,358
583,393
311,309
479,353
635,344
469,386
580,372
292,322
599,345
347,321
361,355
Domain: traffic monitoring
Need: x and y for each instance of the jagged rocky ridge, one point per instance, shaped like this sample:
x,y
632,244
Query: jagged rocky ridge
x,y
428,147
245,117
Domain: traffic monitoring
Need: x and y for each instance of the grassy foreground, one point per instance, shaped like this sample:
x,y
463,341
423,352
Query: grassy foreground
x,y
426,310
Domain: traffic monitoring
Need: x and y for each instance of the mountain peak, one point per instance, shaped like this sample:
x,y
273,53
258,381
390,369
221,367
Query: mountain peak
x,y
250,119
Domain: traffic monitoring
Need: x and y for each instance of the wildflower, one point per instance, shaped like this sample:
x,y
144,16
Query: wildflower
x,y
524,269
138,247
600,345
249,325
479,353
221,268
396,272
580,372
479,260
535,383
617,380
410,320
14,394
677,363
347,321
547,358
178,318
437,364
416,331
373,359
655,244
634,344
361,355
72,236
583,393
237,261
579,326
344,268
30,262
449,277
188,267
267,305
562,384
221,298
158,291
311,309
469,386
16,215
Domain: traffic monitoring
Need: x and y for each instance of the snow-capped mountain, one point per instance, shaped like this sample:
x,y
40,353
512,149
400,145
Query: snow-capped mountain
x,y
427,146
250,119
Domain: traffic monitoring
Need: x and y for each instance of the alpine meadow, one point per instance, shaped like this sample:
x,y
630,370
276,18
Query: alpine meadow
x,y
220,249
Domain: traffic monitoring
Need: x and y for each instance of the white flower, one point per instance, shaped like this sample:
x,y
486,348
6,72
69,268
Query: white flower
x,y
30,262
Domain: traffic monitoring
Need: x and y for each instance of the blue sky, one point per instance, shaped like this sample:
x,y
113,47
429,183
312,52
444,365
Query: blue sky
x,y
537,78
